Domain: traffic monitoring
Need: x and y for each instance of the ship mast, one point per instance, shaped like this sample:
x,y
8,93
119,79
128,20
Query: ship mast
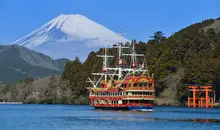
x,y
105,63
134,65
107,71
120,58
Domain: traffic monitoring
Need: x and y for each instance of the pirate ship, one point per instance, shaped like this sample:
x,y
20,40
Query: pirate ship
x,y
123,87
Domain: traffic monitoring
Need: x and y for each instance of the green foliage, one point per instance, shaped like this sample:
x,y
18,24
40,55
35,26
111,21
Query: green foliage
x,y
158,37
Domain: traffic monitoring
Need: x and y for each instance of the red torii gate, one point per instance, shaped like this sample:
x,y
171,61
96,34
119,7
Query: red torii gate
x,y
196,101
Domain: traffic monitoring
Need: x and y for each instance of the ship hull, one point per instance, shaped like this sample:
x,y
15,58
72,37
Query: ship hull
x,y
112,108
131,108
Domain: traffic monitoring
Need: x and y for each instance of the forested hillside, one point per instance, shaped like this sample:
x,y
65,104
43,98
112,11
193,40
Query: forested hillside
x,y
190,56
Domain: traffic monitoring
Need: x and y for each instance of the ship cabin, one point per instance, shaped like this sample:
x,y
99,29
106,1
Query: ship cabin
x,y
132,91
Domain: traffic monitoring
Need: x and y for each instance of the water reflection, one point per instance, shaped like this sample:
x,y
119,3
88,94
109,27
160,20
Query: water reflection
x,y
170,120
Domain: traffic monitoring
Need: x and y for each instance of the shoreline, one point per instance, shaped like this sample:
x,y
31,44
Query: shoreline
x,y
11,103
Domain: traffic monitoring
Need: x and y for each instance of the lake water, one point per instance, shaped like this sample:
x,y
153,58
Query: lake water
x,y
84,117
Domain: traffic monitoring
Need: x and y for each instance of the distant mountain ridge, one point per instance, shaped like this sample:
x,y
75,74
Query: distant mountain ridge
x,y
68,36
17,63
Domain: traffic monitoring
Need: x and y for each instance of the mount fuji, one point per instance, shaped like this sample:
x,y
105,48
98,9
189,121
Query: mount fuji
x,y
68,36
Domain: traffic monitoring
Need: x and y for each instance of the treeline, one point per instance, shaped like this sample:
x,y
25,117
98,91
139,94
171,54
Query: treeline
x,y
49,90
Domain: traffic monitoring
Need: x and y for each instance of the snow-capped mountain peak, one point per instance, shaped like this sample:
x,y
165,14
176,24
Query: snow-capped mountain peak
x,y
63,36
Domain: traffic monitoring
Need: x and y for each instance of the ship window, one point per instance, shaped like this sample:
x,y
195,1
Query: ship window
x,y
145,84
123,85
135,85
140,84
149,85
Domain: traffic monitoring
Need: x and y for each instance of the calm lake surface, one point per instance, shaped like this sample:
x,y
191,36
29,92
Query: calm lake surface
x,y
84,117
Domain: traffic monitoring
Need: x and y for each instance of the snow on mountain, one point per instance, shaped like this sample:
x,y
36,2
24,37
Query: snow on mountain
x,y
67,36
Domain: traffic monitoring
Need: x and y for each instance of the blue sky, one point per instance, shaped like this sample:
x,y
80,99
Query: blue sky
x,y
138,18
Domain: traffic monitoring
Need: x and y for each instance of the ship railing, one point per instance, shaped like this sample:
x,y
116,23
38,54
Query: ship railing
x,y
122,105
122,97
140,88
